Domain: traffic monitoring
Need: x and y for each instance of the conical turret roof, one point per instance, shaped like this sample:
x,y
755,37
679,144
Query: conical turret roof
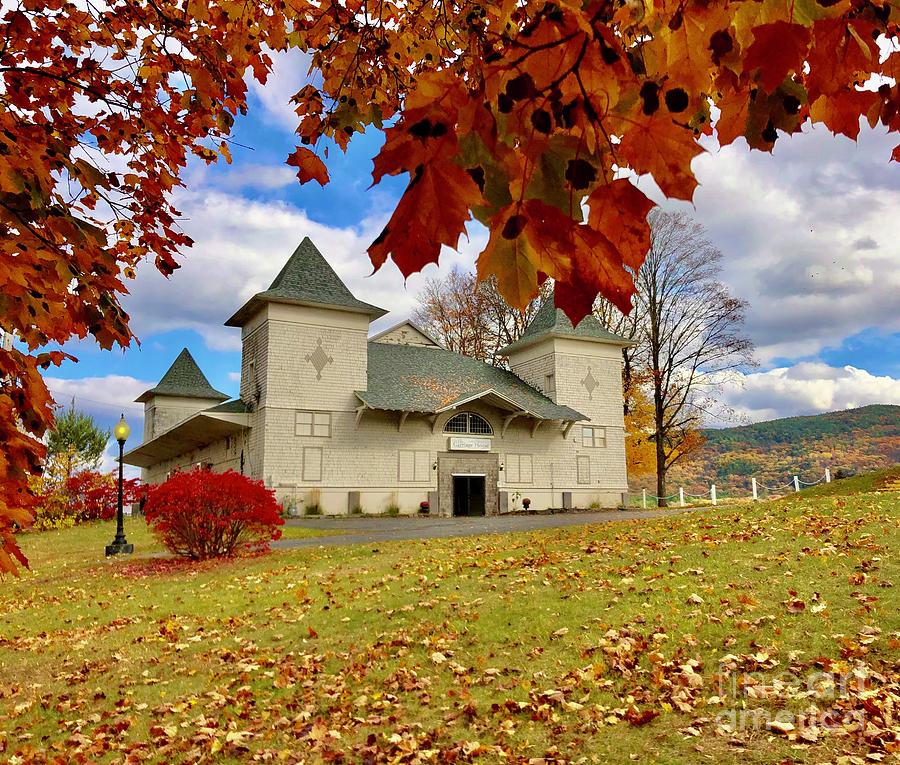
x,y
185,379
306,279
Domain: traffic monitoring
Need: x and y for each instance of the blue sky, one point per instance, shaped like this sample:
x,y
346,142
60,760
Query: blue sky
x,y
810,236
872,349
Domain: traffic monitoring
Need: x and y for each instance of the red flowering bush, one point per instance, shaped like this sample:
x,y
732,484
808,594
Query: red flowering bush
x,y
201,514
85,496
94,496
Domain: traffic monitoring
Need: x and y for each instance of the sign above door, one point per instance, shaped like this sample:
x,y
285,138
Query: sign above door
x,y
468,444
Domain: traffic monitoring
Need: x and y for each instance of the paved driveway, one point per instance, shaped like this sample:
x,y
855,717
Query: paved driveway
x,y
346,531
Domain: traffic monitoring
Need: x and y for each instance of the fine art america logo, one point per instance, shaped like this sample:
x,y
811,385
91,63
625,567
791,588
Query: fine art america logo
x,y
815,703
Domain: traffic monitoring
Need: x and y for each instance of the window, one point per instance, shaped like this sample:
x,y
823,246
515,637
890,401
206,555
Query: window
x,y
312,424
312,463
518,468
550,385
468,423
593,437
413,465
584,470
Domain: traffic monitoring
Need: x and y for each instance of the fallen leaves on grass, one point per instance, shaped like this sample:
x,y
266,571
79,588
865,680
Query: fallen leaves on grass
x,y
165,565
502,649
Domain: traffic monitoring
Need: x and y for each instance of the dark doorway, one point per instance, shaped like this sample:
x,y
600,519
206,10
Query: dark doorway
x,y
468,495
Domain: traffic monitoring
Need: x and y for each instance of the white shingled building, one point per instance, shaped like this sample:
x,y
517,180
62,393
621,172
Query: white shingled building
x,y
337,421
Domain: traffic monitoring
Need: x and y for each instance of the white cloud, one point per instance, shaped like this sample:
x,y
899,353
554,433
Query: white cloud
x,y
102,397
239,247
290,72
260,177
805,388
811,236
810,233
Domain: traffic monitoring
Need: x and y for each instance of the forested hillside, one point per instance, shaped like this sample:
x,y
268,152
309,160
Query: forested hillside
x,y
851,441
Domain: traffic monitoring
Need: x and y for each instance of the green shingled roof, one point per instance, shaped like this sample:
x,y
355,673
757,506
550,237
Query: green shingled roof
x,y
550,321
306,279
184,378
421,379
236,406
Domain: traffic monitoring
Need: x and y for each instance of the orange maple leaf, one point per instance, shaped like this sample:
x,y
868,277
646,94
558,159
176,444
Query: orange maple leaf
x,y
432,212
658,145
778,49
619,211
309,166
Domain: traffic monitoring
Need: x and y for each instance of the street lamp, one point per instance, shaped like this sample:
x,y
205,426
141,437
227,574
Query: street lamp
x,y
120,545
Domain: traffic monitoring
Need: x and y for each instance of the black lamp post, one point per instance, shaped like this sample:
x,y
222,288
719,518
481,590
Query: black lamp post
x,y
120,545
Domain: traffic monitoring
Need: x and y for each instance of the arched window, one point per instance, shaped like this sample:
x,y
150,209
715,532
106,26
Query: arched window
x,y
468,423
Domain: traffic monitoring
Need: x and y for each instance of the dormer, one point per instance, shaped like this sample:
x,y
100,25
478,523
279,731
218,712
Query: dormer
x,y
406,332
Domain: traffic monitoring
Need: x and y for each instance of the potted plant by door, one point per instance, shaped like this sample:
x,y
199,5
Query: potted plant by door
x,y
424,507
526,502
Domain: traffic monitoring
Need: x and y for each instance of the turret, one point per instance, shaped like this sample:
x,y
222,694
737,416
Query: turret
x,y
304,353
183,391
580,367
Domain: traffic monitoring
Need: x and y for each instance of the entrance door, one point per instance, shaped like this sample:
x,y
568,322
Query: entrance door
x,y
468,495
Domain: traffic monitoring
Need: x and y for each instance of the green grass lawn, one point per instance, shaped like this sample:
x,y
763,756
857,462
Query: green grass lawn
x,y
627,641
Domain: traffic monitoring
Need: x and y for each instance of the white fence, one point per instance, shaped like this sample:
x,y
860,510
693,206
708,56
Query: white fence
x,y
795,483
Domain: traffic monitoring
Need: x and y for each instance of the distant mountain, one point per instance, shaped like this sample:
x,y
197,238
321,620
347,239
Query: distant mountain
x,y
850,441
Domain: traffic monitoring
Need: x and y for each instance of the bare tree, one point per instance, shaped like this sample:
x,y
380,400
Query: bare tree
x,y
472,318
454,311
686,327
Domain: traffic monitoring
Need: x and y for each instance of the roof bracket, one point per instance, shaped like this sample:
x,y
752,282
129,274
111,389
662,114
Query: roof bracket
x,y
567,428
534,428
508,419
434,421
402,420
359,413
